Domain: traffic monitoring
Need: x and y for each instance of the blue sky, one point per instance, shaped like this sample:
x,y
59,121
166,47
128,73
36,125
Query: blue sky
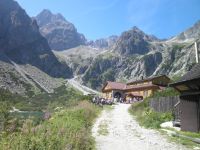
x,y
102,18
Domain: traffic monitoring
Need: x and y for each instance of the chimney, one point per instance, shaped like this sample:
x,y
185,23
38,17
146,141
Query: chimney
x,y
196,52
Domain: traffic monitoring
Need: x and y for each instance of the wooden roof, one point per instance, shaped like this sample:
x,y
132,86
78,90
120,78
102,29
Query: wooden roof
x,y
141,87
125,87
114,86
190,82
193,74
147,79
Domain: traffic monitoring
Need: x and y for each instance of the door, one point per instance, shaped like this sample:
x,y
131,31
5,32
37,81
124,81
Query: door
x,y
189,113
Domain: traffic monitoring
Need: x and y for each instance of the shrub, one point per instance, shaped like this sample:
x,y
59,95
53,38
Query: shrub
x,y
147,117
165,93
67,129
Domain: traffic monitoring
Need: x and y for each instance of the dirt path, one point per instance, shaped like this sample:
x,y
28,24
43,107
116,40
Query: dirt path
x,y
85,90
116,129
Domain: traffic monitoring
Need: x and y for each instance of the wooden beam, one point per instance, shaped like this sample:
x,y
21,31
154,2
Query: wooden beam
x,y
192,92
196,52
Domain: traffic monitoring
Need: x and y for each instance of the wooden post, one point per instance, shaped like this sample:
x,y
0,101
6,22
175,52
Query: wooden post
x,y
196,52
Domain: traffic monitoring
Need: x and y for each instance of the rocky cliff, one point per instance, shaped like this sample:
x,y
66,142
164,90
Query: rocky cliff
x,y
60,33
134,41
131,55
190,34
29,59
22,45
104,43
137,54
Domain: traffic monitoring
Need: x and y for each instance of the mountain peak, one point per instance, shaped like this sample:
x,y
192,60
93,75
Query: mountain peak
x,y
60,33
134,41
22,42
46,16
197,24
46,11
135,28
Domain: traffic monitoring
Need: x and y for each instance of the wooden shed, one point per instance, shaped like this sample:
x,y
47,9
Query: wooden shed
x,y
189,87
113,89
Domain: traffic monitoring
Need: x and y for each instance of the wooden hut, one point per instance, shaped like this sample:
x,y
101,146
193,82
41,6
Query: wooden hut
x,y
189,87
146,87
138,89
113,90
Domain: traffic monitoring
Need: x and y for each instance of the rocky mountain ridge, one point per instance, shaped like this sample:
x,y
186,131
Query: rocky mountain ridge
x,y
59,33
23,48
136,54
134,41
103,43
27,61
190,34
131,55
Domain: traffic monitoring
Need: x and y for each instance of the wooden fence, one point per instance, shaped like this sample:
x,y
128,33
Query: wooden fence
x,y
164,104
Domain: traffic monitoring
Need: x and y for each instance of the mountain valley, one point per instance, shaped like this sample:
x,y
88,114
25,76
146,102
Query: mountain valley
x,y
37,51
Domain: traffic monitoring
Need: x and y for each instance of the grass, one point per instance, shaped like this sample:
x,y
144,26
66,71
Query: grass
x,y
189,144
103,128
151,119
147,117
66,129
62,96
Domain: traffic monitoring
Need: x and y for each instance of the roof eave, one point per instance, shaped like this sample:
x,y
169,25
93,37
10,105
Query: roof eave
x,y
182,82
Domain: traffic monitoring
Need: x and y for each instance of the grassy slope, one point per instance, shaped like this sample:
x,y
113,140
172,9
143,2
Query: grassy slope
x,y
147,117
62,96
66,129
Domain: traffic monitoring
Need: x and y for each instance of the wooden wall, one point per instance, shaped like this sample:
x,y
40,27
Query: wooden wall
x,y
163,104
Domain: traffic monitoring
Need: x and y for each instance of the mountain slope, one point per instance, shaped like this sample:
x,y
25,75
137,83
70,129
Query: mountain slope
x,y
26,59
22,42
133,41
104,43
136,54
60,33
190,34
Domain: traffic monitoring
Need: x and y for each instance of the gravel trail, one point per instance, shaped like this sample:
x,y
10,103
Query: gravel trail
x,y
116,129
85,90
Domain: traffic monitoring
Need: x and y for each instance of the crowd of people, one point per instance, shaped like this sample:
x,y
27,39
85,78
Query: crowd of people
x,y
102,101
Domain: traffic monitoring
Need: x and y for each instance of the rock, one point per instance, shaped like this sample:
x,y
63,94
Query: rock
x,y
60,33
25,53
105,43
133,41
196,148
149,56
23,43
190,34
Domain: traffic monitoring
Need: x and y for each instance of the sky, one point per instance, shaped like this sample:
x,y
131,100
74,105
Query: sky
x,y
102,18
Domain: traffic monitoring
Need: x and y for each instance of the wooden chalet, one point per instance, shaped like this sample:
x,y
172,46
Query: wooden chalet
x,y
138,89
146,87
189,87
113,89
